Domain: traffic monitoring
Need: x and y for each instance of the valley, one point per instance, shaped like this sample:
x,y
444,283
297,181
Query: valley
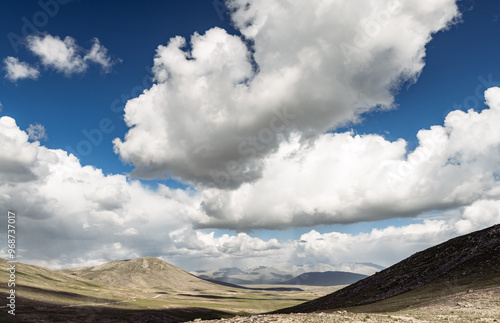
x,y
458,281
137,289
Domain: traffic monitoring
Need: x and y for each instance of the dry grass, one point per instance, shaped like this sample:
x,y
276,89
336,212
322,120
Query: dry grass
x,y
472,306
43,294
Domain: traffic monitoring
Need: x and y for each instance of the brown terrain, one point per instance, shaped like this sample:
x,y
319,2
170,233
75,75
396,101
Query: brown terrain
x,y
456,281
467,262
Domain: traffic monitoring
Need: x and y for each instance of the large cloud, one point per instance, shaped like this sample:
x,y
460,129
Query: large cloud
x,y
335,247
197,250
225,103
69,214
347,178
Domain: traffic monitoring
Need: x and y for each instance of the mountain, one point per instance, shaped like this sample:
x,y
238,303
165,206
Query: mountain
x,y
44,295
464,263
327,278
147,273
246,276
137,290
277,275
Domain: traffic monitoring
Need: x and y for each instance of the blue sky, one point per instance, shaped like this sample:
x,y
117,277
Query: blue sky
x,y
423,83
86,99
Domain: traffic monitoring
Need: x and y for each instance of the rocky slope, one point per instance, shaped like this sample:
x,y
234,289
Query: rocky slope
x,y
469,260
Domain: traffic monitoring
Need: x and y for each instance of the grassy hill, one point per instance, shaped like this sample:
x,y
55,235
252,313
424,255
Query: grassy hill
x,y
138,290
144,273
465,263
44,295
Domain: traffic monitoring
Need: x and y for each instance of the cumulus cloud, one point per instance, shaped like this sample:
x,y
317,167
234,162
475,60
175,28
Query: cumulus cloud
x,y
347,178
74,215
17,70
244,119
335,247
69,213
223,103
197,250
65,56
37,132
18,155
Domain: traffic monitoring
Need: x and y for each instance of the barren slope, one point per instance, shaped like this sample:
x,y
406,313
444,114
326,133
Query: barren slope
x,y
147,273
470,261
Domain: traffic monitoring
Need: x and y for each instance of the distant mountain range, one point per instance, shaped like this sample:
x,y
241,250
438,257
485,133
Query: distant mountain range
x,y
459,265
327,278
278,275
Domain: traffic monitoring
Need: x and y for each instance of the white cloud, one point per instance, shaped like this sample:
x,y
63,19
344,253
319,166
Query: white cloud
x,y
18,155
110,197
197,250
212,112
65,55
17,70
479,215
75,212
99,55
402,241
212,119
62,55
88,218
37,132
347,178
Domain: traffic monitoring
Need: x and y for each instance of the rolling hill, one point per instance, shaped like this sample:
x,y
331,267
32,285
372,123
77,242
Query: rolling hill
x,y
327,278
137,290
145,273
44,295
464,263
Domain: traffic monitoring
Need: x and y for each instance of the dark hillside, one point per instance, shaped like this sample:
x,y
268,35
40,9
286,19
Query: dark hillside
x,y
472,260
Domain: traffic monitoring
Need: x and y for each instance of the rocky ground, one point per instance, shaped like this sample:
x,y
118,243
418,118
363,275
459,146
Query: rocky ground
x,y
473,306
339,316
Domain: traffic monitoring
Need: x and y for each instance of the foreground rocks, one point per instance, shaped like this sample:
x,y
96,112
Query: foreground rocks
x,y
471,306
340,316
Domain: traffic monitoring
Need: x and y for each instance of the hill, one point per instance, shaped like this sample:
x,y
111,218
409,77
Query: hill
x,y
145,273
120,292
328,278
44,295
464,263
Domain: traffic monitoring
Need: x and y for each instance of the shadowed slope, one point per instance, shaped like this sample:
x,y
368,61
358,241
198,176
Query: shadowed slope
x,y
469,261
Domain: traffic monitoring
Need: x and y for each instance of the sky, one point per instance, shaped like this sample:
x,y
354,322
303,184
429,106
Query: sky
x,y
246,133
